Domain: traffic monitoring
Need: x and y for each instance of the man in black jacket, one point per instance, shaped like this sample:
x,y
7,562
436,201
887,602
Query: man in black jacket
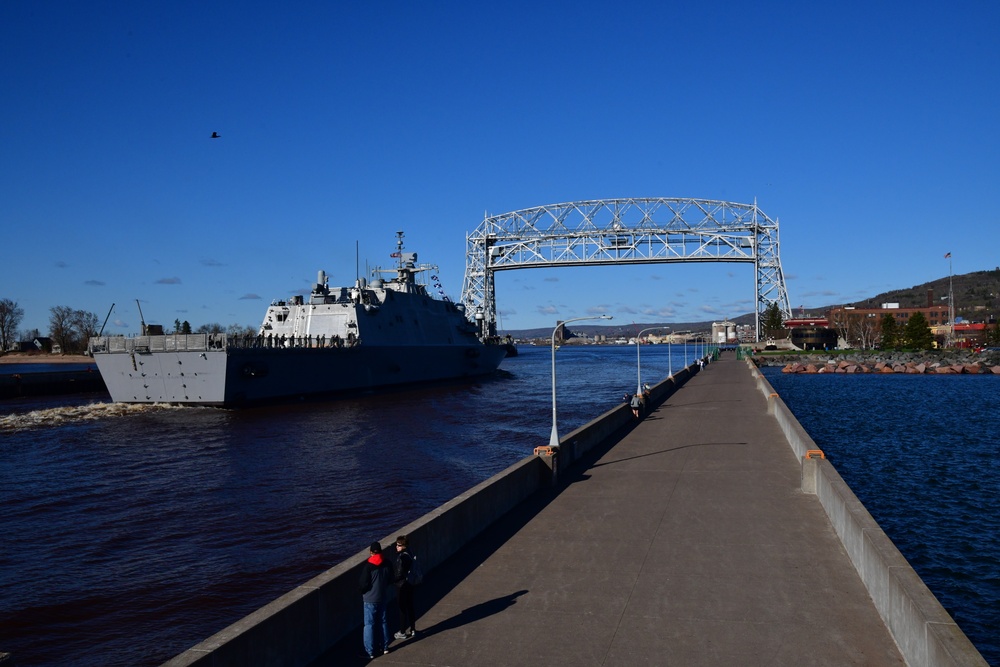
x,y
376,580
404,590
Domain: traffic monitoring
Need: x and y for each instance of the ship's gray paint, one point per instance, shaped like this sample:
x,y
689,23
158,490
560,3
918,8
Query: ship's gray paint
x,y
391,332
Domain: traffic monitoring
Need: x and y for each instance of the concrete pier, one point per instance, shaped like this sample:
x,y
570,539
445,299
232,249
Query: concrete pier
x,y
689,542
711,532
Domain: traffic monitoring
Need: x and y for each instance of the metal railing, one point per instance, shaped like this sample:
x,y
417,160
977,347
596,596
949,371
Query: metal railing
x,y
171,343
205,342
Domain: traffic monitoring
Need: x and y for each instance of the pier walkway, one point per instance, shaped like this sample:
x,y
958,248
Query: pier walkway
x,y
687,543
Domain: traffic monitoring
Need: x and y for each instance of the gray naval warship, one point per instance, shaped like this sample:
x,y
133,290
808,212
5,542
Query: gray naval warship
x,y
387,332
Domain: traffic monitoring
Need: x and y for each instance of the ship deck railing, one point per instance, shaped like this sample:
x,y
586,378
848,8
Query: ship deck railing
x,y
165,343
205,342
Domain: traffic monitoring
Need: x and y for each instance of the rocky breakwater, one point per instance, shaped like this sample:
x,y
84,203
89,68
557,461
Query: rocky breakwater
x,y
940,363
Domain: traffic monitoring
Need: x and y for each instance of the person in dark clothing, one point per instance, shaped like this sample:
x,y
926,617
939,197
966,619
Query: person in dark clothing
x,y
636,404
376,578
404,590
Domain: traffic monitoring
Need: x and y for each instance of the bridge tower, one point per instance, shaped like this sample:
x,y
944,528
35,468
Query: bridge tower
x,y
623,231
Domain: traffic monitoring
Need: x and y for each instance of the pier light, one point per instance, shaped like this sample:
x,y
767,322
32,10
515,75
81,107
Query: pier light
x,y
670,351
638,365
554,438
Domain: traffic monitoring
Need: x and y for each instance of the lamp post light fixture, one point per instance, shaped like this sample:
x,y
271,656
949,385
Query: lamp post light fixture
x,y
554,437
638,366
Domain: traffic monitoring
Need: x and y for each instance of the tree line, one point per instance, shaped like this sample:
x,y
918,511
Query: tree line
x,y
867,332
70,329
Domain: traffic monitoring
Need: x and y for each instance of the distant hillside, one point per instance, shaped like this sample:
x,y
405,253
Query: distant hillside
x,y
977,295
977,298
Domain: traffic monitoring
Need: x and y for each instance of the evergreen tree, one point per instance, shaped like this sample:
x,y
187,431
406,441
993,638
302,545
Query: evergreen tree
x,y
993,336
890,332
773,320
917,333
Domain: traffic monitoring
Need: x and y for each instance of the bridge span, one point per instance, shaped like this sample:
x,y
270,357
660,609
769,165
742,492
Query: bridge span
x,y
623,231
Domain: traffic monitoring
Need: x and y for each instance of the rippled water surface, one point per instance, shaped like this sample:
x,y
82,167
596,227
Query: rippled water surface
x,y
922,453
134,532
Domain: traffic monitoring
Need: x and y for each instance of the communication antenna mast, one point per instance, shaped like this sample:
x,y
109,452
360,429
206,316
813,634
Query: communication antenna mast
x,y
101,332
142,322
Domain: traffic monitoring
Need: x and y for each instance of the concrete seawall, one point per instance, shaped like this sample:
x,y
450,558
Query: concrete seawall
x,y
925,632
300,625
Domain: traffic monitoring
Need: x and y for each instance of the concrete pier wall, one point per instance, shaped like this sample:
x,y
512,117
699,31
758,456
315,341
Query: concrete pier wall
x,y
300,625
926,634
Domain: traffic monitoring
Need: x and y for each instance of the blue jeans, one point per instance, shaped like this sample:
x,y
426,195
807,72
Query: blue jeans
x,y
375,612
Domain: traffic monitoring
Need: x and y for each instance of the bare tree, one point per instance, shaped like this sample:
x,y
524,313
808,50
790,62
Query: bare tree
x,y
860,331
866,331
840,321
241,330
70,329
84,326
10,318
61,326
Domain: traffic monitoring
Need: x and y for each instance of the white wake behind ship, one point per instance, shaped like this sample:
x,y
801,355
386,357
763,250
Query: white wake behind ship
x,y
384,333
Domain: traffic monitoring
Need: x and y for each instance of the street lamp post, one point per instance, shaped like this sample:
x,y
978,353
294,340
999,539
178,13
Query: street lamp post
x,y
670,365
638,366
554,438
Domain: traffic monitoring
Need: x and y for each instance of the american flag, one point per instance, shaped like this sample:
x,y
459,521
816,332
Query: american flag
x,y
947,255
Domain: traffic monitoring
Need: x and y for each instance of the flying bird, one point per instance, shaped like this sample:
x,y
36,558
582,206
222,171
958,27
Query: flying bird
x,y
215,135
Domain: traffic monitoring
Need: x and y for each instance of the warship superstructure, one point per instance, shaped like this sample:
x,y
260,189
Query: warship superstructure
x,y
390,331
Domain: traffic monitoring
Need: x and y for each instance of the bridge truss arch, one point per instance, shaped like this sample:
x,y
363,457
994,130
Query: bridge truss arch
x,y
652,230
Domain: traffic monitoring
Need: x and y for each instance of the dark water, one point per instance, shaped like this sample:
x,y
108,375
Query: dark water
x,y
131,533
10,369
922,453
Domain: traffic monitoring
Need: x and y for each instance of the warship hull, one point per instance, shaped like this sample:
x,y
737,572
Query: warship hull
x,y
367,336
236,377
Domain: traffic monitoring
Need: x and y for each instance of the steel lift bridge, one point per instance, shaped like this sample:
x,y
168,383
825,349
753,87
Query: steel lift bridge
x,y
622,231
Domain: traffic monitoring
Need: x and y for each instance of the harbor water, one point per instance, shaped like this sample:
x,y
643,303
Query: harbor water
x,y
134,532
141,530
921,452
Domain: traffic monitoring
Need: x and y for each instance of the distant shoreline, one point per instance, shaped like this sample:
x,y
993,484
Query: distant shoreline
x,y
21,358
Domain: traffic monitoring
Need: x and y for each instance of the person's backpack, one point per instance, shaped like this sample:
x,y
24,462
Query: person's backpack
x,y
416,575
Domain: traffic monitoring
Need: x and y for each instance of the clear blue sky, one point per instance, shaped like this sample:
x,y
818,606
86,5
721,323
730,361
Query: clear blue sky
x,y
871,131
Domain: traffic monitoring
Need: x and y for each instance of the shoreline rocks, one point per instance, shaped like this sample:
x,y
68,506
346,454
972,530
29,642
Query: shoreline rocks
x,y
941,363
